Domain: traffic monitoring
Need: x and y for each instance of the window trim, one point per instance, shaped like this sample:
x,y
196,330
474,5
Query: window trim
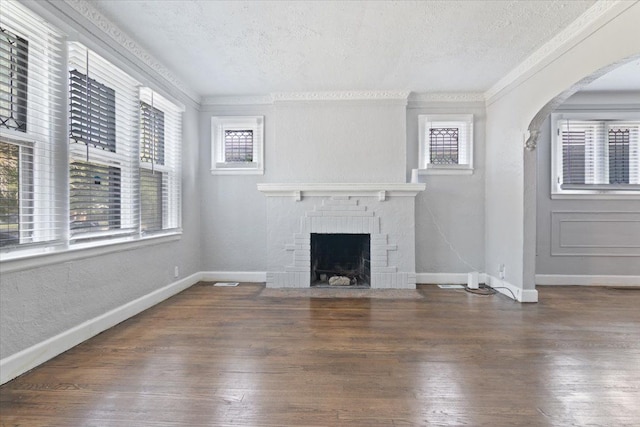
x,y
426,168
586,191
220,124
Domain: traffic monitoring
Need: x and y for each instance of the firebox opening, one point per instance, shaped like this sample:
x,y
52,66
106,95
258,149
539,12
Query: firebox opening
x,y
341,260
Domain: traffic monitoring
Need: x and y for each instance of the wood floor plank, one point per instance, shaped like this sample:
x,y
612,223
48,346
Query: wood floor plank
x,y
215,356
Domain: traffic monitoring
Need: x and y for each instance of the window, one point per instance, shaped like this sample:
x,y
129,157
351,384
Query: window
x,y
237,145
595,155
103,117
31,85
446,144
160,137
14,55
101,166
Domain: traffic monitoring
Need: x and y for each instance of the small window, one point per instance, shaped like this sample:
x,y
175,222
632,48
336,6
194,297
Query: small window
x,y
237,145
446,144
595,156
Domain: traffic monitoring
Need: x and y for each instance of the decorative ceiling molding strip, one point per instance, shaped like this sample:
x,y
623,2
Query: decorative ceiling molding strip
x,y
92,14
237,100
341,96
428,97
563,41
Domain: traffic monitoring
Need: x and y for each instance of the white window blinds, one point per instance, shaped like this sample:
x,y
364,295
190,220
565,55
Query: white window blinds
x,y
596,153
160,160
103,147
31,104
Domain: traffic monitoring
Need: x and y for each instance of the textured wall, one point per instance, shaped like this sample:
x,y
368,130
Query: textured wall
x,y
39,303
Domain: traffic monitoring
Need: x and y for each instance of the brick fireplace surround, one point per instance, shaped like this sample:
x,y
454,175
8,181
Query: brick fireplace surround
x,y
384,211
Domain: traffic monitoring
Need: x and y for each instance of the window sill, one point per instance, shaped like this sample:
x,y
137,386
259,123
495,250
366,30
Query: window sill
x,y
596,195
237,171
448,170
39,257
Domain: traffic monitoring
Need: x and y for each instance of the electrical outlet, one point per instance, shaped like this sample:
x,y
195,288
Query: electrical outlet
x,y
501,271
176,271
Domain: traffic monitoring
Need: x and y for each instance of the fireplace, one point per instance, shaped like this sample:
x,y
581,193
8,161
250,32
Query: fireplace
x,y
341,260
309,226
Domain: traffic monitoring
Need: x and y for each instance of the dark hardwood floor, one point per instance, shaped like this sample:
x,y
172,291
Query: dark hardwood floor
x,y
214,356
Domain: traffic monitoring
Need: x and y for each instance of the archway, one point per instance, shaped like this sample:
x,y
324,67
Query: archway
x,y
531,166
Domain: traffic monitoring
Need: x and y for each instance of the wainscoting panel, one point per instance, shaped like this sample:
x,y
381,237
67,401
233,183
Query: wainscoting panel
x,y
595,233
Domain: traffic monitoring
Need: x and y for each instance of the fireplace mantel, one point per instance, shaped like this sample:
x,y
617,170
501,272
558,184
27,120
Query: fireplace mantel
x,y
366,189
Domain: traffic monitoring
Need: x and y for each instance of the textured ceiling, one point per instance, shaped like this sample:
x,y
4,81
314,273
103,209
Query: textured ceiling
x,y
258,47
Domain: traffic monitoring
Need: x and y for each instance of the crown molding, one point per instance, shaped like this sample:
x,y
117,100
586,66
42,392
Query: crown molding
x,y
92,14
593,18
237,100
372,95
341,96
433,97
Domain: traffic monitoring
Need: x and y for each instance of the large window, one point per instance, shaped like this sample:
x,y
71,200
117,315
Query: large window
x,y
237,145
103,123
31,93
446,144
596,154
87,156
160,131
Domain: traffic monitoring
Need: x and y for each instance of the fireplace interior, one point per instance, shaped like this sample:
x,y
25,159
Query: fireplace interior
x,y
341,260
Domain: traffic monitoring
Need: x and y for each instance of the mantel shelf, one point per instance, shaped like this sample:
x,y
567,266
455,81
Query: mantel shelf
x,y
380,190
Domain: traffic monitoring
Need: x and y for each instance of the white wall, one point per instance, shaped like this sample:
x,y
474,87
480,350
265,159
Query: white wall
x,y
608,254
305,141
508,116
450,212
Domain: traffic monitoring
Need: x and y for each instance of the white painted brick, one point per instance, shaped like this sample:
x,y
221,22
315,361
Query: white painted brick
x,y
290,247
391,247
341,208
332,202
384,269
340,197
297,268
379,237
313,213
376,225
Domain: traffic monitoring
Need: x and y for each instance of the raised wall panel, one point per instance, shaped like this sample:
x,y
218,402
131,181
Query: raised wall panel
x,y
577,233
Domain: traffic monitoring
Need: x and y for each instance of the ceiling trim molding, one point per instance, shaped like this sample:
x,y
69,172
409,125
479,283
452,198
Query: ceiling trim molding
x,y
446,97
353,95
341,96
92,14
592,19
237,100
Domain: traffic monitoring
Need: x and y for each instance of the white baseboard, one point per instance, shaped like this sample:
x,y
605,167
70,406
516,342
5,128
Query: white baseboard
x,y
27,359
521,295
234,276
586,280
447,278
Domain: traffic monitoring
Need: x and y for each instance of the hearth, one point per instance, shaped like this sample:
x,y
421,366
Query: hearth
x,y
341,260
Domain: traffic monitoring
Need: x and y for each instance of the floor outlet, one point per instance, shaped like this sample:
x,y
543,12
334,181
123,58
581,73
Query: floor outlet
x,y
176,272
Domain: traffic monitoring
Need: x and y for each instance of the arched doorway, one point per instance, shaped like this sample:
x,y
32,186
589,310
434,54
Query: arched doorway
x,y
550,257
